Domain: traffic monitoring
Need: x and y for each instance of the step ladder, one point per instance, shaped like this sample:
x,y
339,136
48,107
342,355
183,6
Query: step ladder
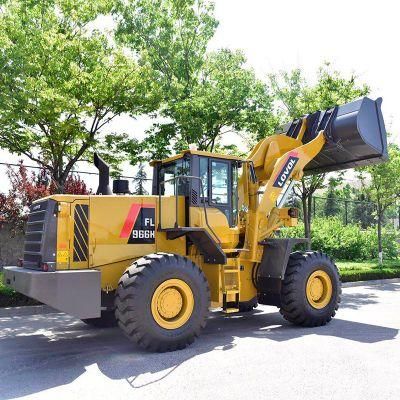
x,y
231,285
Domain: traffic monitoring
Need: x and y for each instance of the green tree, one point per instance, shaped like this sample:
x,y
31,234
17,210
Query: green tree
x,y
171,35
305,191
139,181
332,207
296,97
204,95
363,210
382,186
62,81
227,98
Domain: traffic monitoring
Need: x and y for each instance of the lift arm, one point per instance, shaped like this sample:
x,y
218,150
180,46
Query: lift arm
x,y
347,136
276,160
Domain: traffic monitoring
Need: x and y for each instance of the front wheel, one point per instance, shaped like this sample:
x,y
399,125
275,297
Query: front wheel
x,y
311,289
162,302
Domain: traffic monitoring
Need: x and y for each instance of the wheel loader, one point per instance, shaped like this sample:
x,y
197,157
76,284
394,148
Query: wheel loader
x,y
207,237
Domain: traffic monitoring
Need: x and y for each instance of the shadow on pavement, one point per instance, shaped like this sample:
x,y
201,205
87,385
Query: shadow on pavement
x,y
44,351
389,286
368,295
356,300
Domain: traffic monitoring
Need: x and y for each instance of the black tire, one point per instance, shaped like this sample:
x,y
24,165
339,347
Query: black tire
x,y
247,306
134,295
107,320
295,306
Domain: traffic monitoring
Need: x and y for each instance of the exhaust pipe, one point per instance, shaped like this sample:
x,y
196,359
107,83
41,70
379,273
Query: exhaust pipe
x,y
104,175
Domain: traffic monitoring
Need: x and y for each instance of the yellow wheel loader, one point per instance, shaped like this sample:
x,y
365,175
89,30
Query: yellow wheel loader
x,y
205,238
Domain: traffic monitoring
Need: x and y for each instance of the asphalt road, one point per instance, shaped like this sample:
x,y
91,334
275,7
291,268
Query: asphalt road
x,y
258,355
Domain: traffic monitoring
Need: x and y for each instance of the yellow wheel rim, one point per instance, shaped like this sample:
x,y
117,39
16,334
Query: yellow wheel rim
x,y
172,304
319,289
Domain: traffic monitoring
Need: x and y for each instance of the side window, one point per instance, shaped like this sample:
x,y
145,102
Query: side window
x,y
219,182
169,186
204,176
182,168
169,172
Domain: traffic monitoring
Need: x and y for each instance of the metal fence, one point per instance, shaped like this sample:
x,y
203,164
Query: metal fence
x,y
350,211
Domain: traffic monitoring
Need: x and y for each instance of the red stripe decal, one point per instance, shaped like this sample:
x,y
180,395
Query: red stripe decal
x,y
131,218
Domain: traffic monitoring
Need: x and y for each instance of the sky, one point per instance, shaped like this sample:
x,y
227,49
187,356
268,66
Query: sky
x,y
357,37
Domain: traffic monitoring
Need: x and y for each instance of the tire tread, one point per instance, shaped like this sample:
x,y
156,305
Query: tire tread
x,y
291,307
139,275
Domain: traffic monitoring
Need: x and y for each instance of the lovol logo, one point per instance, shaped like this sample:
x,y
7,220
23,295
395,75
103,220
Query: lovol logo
x,y
139,226
286,170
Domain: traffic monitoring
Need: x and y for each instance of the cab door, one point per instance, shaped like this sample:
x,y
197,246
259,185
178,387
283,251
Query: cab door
x,y
219,179
220,192
217,194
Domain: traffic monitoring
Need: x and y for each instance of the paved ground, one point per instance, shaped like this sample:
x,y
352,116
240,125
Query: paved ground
x,y
357,356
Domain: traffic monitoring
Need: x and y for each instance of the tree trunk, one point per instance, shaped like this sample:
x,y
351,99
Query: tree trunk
x,y
59,182
309,206
380,250
309,214
307,220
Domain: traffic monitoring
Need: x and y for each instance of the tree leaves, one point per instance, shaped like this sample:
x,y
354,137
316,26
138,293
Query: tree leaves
x,y
226,97
26,188
172,36
296,97
381,182
204,95
62,82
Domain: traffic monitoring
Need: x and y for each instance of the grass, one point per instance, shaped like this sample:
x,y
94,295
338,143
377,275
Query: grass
x,y
368,270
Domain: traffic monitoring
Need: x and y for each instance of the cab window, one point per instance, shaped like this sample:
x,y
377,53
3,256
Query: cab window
x,y
219,182
204,177
170,171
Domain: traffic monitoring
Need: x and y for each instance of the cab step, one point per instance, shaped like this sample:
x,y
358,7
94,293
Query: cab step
x,y
231,310
231,286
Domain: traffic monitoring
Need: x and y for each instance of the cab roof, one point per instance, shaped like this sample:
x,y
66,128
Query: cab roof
x,y
198,153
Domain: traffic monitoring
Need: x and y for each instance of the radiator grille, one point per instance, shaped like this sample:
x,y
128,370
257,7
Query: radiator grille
x,y
34,234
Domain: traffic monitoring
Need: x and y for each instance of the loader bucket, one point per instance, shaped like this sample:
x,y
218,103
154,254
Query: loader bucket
x,y
355,136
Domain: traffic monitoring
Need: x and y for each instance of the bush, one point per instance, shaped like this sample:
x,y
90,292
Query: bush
x,y
9,298
367,270
26,188
347,242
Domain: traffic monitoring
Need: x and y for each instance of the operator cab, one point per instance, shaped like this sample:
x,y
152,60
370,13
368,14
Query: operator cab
x,y
212,181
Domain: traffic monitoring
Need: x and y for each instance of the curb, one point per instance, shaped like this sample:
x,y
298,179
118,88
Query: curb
x,y
26,311
366,283
43,309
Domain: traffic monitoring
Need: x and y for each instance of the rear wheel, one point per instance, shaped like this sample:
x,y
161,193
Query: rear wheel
x,y
311,289
162,302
